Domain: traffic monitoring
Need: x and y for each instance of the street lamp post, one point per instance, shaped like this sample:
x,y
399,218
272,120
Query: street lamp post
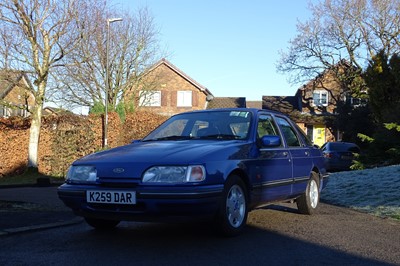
x,y
109,21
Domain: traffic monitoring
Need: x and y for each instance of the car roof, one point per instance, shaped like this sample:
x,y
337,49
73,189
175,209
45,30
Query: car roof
x,y
340,145
252,110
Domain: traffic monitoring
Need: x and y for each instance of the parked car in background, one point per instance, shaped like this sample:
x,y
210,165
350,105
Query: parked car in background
x,y
216,164
338,155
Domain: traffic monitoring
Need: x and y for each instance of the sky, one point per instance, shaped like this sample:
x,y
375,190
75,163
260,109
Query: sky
x,y
231,47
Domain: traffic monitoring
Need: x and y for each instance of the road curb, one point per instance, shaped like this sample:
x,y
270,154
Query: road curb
x,y
18,230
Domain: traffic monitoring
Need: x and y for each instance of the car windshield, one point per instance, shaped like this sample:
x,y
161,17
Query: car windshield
x,y
220,125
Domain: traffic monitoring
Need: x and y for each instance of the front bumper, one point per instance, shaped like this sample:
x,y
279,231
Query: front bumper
x,y
152,203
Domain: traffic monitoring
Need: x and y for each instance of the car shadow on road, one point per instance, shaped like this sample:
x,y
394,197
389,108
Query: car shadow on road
x,y
284,207
197,244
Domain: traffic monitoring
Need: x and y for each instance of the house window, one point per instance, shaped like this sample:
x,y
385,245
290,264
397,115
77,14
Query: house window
x,y
184,99
320,98
4,111
14,111
22,112
150,98
355,101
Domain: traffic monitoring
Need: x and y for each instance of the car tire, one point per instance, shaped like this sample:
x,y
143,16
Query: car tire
x,y
101,224
232,216
308,202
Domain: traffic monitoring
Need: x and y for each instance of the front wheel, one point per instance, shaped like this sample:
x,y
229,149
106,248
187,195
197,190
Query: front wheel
x,y
233,212
308,202
101,224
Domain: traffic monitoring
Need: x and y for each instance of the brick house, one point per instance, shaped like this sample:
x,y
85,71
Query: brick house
x,y
233,102
227,102
254,104
313,105
16,97
167,90
55,111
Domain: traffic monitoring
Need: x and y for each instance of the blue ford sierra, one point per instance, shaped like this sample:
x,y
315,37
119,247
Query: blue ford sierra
x,y
216,164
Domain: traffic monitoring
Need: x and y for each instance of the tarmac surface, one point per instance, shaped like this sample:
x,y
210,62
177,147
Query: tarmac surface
x,y
29,208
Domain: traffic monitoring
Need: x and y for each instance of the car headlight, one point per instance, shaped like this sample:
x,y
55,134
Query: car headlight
x,y
82,174
174,174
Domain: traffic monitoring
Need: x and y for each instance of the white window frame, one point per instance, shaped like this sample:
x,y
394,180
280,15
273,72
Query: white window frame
x,y
5,111
351,100
320,93
150,98
15,111
184,99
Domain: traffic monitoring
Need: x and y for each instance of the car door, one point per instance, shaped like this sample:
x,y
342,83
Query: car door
x,y
274,165
300,154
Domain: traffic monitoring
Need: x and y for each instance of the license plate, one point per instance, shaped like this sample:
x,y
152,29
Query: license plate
x,y
345,157
111,197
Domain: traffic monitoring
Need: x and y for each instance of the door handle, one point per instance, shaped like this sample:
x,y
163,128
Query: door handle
x,y
285,153
307,153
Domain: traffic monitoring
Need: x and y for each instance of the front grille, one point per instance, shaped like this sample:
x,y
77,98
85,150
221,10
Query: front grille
x,y
118,182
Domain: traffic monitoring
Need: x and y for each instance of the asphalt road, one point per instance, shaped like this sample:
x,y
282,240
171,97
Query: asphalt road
x,y
275,236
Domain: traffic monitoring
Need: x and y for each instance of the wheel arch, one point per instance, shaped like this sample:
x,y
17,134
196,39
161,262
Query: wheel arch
x,y
242,174
316,170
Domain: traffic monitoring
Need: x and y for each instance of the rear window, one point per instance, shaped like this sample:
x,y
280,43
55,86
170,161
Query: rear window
x,y
344,147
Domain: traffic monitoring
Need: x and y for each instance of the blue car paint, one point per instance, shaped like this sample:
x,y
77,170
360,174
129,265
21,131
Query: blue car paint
x,y
270,174
337,151
138,157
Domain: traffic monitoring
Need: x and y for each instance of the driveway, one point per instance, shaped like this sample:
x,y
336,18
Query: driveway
x,y
276,235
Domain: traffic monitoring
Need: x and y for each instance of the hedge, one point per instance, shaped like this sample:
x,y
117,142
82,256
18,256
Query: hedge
x,y
67,137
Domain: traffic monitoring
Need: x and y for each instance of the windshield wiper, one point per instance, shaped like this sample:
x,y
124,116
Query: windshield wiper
x,y
221,137
170,138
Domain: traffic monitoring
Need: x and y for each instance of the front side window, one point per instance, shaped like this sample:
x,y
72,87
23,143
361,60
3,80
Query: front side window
x,y
320,98
288,132
266,126
150,98
184,99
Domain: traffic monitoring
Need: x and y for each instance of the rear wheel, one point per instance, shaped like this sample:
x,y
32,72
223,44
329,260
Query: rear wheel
x,y
233,212
101,224
308,202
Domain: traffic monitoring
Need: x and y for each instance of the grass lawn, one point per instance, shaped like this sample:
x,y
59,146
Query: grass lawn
x,y
29,178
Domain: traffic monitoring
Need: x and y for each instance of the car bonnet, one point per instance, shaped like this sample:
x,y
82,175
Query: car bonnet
x,y
132,160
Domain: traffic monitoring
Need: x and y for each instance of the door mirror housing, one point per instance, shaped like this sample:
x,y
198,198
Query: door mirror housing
x,y
271,141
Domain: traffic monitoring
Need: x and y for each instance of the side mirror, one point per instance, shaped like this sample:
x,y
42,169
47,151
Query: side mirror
x,y
135,141
270,141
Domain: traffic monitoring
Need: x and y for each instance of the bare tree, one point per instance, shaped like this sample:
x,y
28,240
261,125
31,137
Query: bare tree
x,y
133,47
36,35
350,31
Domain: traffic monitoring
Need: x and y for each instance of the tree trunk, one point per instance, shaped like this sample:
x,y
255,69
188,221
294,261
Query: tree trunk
x,y
34,131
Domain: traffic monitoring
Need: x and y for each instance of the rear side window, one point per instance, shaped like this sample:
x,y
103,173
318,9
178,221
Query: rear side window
x,y
288,132
303,136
